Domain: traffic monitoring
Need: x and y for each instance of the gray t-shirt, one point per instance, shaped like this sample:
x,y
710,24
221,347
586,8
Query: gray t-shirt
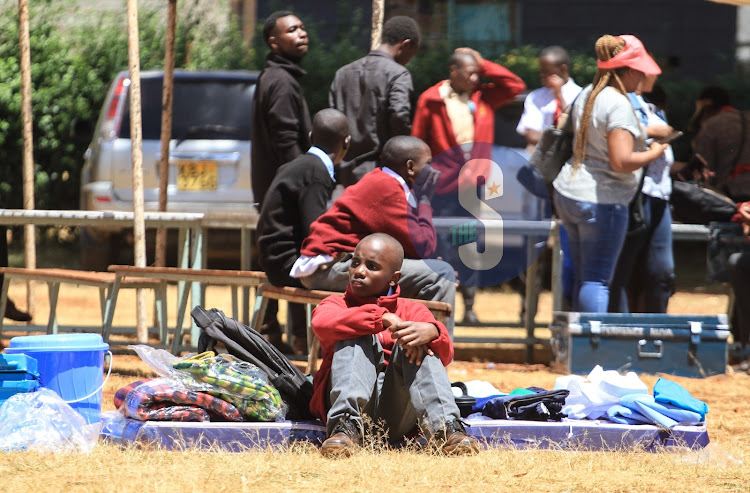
x,y
595,181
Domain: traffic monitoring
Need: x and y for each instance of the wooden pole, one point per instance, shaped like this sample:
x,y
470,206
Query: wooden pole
x,y
28,145
378,12
166,129
249,20
136,139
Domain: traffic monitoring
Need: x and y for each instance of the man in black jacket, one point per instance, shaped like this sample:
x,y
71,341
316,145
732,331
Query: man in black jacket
x,y
280,119
376,94
298,195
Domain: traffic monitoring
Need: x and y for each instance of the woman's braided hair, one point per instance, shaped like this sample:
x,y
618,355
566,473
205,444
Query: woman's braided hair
x,y
606,47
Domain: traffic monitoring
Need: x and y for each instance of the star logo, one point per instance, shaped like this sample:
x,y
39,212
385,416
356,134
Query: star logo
x,y
493,189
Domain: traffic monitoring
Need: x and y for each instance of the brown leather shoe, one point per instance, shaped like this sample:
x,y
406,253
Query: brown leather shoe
x,y
13,313
344,440
457,442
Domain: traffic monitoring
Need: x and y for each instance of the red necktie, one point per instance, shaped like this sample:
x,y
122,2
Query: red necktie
x,y
558,111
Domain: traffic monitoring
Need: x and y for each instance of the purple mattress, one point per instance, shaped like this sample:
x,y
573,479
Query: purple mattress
x,y
566,435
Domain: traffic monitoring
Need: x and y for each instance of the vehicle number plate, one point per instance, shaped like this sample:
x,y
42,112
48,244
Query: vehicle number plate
x,y
197,175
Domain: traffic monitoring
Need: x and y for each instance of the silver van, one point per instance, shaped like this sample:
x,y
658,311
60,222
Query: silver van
x,y
209,162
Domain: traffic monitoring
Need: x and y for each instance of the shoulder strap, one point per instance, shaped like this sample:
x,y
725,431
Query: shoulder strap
x,y
567,124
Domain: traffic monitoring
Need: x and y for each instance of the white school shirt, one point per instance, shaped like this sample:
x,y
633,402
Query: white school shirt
x,y
540,105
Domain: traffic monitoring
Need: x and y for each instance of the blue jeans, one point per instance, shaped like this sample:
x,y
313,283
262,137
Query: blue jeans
x,y
644,277
568,271
596,233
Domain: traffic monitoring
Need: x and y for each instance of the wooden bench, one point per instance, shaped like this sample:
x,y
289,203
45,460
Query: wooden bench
x,y
105,281
310,298
185,278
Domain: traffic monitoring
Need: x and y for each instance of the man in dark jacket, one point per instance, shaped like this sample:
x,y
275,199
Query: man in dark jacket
x,y
376,94
298,195
280,120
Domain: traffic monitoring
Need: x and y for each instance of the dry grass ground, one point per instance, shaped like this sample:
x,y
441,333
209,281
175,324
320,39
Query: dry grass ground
x,y
110,467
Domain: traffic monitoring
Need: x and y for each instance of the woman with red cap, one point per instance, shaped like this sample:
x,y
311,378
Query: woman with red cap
x,y
595,186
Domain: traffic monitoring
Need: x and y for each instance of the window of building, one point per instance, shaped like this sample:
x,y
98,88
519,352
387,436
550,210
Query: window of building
x,y
488,26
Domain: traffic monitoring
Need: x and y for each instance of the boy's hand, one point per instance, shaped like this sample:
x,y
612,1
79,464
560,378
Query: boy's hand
x,y
425,184
390,319
416,354
413,338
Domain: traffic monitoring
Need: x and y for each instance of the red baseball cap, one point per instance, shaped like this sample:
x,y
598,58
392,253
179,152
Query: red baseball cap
x,y
633,55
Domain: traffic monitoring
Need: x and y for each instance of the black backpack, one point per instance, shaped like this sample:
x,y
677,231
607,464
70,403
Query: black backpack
x,y
247,344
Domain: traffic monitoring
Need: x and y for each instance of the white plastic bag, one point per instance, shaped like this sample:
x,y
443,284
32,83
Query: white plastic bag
x,y
43,422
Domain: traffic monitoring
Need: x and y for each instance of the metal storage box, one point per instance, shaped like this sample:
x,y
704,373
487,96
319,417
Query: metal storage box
x,y
18,373
684,345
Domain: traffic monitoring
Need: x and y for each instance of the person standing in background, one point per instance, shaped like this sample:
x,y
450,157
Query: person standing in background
x,y
11,311
281,125
451,117
595,186
723,142
648,287
280,121
542,106
541,109
376,94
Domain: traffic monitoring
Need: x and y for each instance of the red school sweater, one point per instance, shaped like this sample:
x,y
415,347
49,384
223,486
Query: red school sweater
x,y
340,318
433,125
375,204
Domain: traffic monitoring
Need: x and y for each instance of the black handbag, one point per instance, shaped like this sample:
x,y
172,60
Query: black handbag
x,y
636,219
554,148
692,204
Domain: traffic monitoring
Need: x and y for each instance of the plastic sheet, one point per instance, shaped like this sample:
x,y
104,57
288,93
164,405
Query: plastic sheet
x,y
43,422
712,455
228,437
238,382
566,435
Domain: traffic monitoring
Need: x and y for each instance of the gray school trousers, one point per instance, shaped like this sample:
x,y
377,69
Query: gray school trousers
x,y
408,395
429,279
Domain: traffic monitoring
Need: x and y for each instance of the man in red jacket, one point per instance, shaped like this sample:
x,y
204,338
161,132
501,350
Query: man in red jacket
x,y
451,117
382,202
369,331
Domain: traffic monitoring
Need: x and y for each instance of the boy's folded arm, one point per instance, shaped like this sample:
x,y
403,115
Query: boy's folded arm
x,y
442,346
333,320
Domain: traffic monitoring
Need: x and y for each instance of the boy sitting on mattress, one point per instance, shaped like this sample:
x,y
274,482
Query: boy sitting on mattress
x,y
385,357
